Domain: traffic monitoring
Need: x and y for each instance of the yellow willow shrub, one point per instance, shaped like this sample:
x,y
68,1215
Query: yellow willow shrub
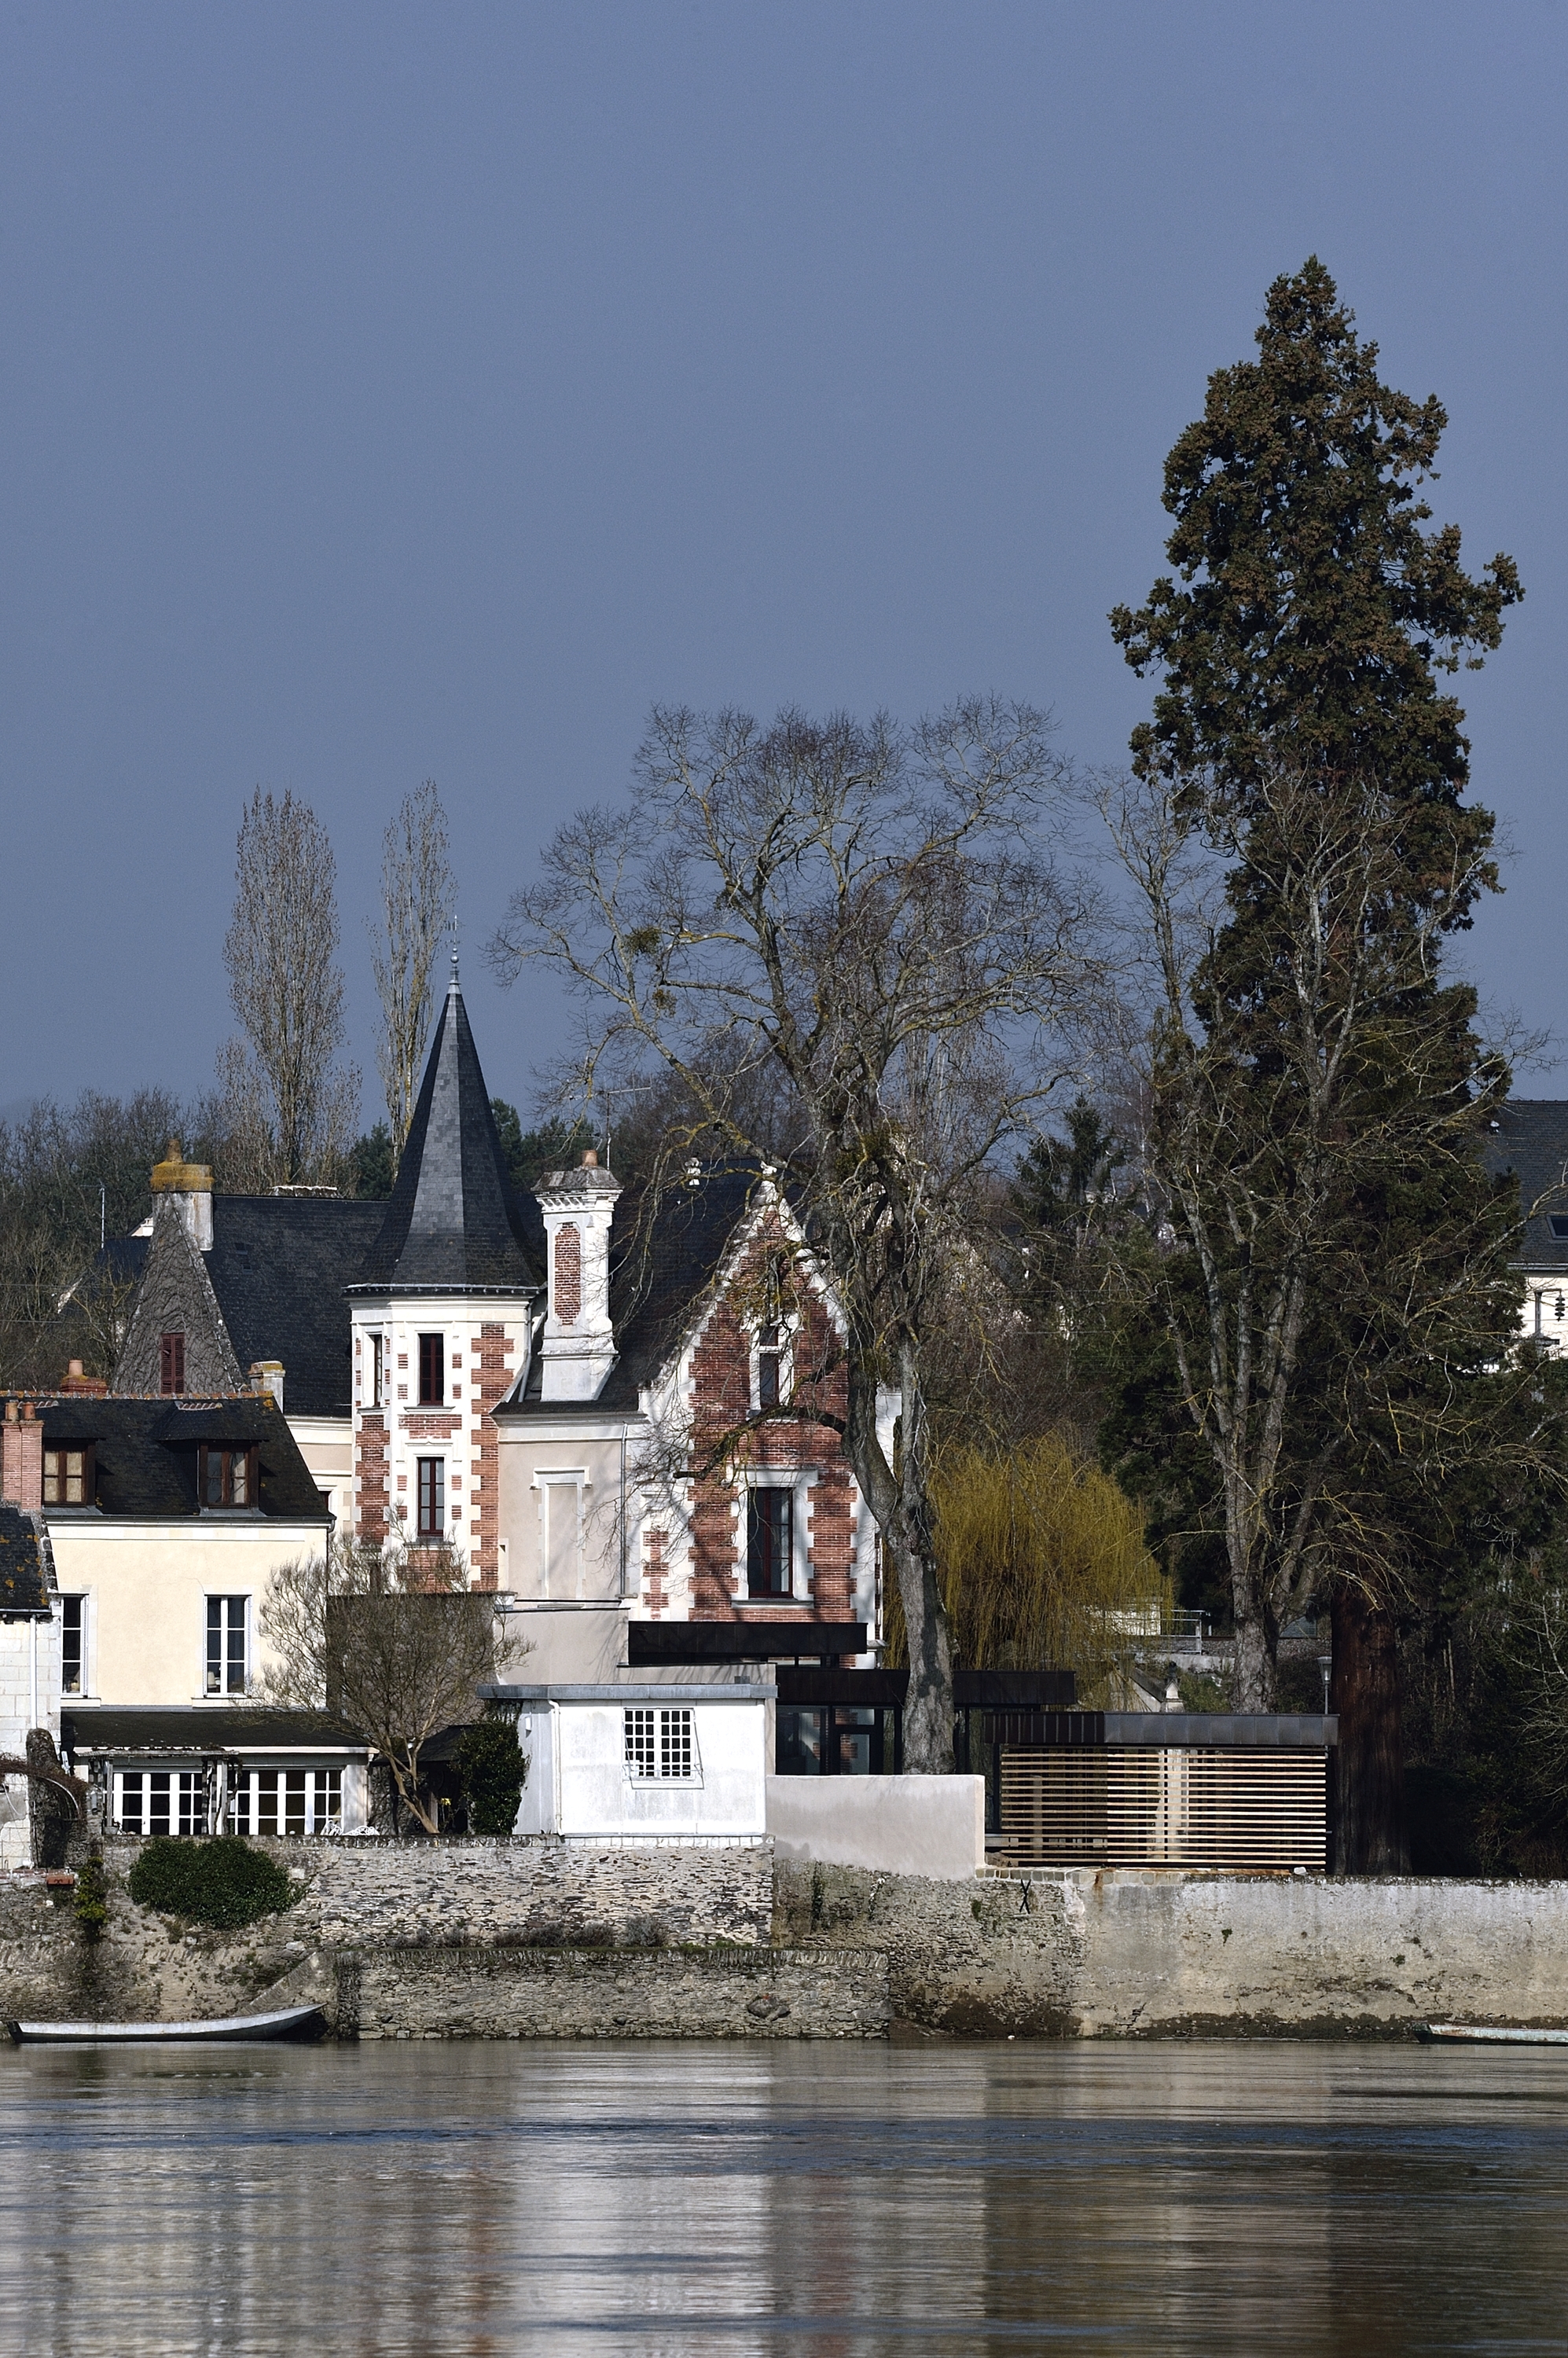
x,y
1042,1564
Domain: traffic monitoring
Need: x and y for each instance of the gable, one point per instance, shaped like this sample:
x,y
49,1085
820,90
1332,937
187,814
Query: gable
x,y
176,1297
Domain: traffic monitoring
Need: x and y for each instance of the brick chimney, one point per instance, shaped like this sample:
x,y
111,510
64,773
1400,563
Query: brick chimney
x,y
75,1383
190,1184
21,1455
576,1350
266,1377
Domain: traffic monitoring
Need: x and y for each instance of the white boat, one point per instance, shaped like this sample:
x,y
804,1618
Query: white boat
x,y
1481,2034
290,2022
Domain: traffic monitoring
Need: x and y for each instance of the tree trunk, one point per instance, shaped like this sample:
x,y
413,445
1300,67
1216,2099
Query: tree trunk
x,y
1256,1684
1369,1763
897,1498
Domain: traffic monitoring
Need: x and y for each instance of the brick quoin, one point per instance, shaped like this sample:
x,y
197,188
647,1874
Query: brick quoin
x,y
491,1379
721,1381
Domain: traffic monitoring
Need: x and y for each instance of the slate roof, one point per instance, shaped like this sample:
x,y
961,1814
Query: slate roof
x,y
453,1224
145,1454
219,1728
24,1578
278,1266
656,1283
1531,1140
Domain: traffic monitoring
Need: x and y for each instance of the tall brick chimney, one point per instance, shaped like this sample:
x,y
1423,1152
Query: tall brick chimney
x,y
577,1349
21,1455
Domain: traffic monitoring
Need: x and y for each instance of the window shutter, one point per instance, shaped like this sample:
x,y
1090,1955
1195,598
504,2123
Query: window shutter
x,y
171,1367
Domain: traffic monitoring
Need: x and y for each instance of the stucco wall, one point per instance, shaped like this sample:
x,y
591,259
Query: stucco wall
x,y
147,1586
594,1795
895,1825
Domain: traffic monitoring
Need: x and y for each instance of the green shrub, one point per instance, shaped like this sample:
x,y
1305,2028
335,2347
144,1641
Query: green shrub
x,y
494,1773
90,1905
222,1882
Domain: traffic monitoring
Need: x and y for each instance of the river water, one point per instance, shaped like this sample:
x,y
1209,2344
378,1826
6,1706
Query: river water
x,y
1256,2197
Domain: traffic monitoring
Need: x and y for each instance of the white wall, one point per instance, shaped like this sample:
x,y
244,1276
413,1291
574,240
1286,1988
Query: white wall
x,y
579,1785
933,1826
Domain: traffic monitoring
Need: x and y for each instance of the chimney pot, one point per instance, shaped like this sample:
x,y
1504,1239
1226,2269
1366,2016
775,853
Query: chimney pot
x,y
591,1158
73,1366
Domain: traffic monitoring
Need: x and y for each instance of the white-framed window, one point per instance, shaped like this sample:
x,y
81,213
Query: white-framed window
x,y
661,1743
228,1645
286,1801
161,1801
73,1645
375,1373
772,1534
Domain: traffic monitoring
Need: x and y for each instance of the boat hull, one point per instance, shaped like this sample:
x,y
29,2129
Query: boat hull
x,y
1480,2034
290,2022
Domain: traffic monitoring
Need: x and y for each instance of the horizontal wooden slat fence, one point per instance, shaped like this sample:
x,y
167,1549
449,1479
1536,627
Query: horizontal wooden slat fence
x,y
1158,1806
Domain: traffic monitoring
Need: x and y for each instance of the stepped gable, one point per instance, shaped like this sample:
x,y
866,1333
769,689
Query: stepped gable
x,y
452,1225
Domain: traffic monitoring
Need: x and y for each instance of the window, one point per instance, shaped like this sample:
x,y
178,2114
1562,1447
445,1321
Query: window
x,y
226,1477
68,1476
432,1498
226,1649
286,1801
660,1744
770,1367
375,1396
160,1801
432,1387
1558,1223
770,1541
72,1649
171,1364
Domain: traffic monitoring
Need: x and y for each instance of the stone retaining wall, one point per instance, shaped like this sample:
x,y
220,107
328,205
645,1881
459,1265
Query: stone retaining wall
x,y
500,1993
1145,1954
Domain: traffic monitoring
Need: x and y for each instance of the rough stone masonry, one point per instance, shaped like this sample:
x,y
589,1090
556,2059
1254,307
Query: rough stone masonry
x,y
541,1938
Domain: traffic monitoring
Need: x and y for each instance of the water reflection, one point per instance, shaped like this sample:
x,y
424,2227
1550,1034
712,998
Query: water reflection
x,y
673,2199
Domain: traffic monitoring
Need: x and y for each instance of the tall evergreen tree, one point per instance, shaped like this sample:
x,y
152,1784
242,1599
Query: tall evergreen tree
x,y
1302,732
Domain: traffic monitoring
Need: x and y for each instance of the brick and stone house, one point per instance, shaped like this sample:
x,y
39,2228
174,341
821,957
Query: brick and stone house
x,y
614,1419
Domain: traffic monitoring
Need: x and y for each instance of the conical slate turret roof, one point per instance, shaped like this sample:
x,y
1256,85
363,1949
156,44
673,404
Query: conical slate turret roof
x,y
452,1225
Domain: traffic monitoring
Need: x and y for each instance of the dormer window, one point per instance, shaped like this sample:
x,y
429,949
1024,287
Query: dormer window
x,y
227,1477
1558,1224
68,1476
171,1364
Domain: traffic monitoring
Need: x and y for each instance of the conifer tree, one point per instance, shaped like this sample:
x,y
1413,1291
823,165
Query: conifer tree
x,y
1303,735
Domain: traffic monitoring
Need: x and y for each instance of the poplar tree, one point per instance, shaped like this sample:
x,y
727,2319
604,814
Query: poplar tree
x,y
1302,641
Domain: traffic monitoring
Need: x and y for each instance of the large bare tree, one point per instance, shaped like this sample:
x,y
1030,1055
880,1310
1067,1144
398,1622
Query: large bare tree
x,y
391,1640
289,1105
872,914
419,902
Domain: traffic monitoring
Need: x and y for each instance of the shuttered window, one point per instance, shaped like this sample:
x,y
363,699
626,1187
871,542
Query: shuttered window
x,y
171,1364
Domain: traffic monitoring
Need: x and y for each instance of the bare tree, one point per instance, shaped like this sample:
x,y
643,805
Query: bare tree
x,y
418,896
1333,1281
395,1642
290,1106
867,913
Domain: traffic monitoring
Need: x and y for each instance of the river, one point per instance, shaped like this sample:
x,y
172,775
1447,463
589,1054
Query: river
x,y
1257,2197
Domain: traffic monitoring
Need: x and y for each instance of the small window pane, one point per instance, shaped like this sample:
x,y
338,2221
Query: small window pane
x,y
675,1744
432,1392
640,1743
432,1498
239,1478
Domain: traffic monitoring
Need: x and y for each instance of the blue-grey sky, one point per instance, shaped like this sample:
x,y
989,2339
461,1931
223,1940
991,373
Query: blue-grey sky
x,y
399,392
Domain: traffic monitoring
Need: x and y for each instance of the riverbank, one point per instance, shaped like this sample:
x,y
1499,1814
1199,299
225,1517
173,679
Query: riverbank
x,y
546,1940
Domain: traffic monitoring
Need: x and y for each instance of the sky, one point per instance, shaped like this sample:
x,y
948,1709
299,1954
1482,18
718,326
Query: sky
x,y
401,391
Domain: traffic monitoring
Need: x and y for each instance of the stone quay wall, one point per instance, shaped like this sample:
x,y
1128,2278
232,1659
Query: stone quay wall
x,y
508,1993
1143,1955
534,1895
464,1933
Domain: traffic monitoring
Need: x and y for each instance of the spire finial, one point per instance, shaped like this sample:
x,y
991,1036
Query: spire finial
x,y
453,985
